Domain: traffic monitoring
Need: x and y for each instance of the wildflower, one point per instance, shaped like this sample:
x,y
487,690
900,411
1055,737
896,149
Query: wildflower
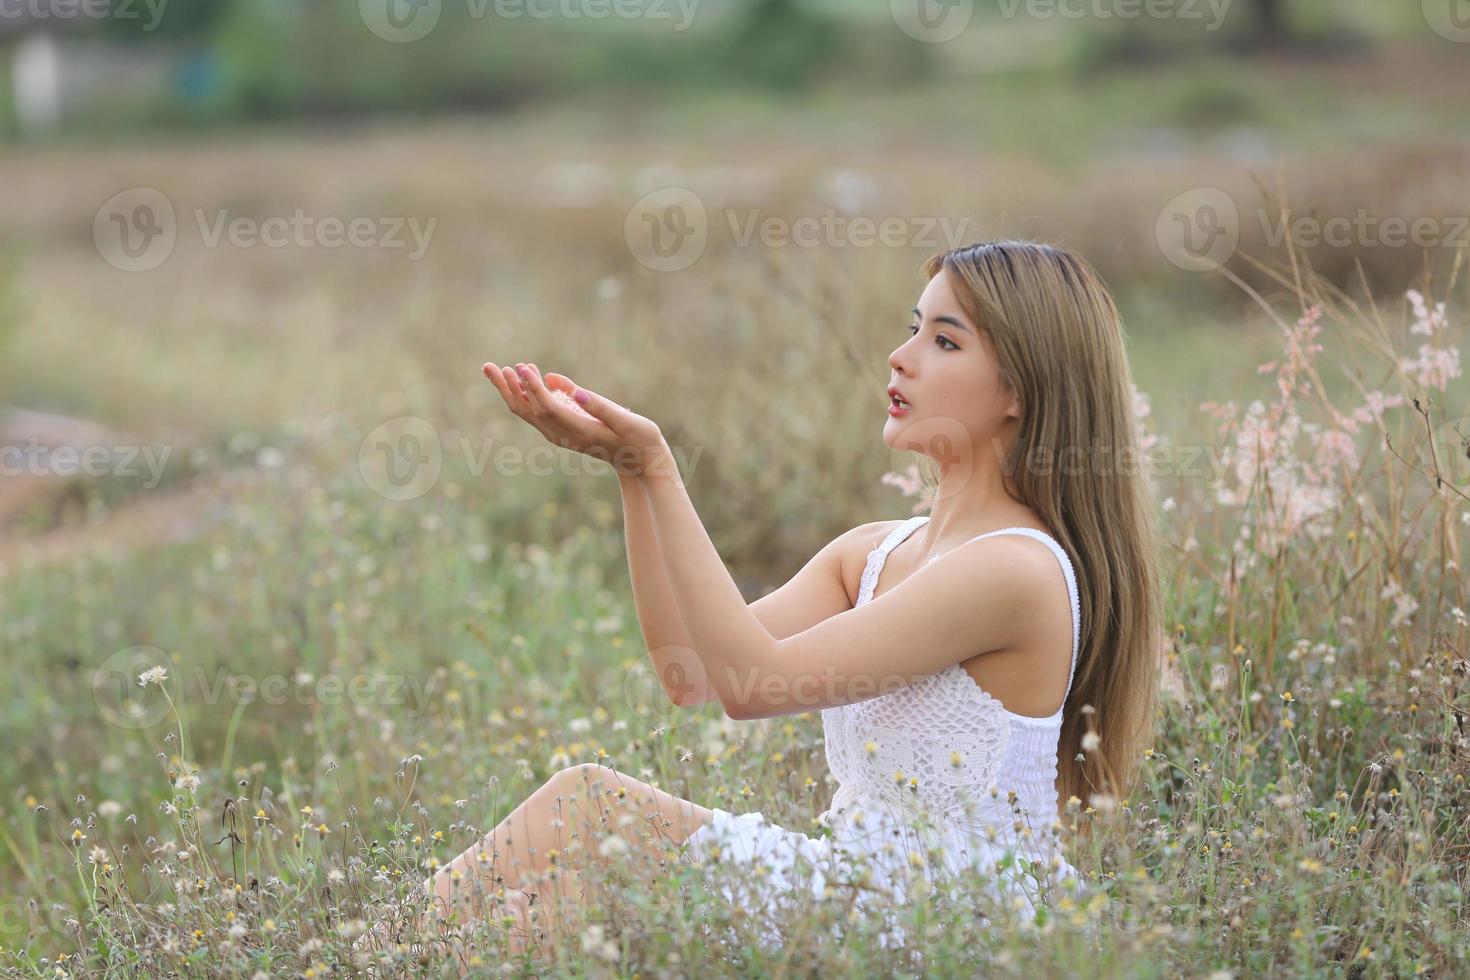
x,y
1286,696
596,943
153,675
1091,741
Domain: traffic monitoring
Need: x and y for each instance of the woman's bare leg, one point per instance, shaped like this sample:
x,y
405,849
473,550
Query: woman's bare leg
x,y
522,865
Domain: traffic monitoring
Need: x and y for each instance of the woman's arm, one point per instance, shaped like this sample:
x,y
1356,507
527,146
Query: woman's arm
x,y
715,620
678,667
976,598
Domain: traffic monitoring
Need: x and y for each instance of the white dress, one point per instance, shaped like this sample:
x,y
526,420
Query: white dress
x,y
985,780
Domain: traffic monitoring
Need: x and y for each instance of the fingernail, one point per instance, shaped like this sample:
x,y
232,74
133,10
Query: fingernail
x,y
581,396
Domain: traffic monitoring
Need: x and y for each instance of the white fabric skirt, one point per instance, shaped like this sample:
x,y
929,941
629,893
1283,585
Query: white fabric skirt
x,y
870,857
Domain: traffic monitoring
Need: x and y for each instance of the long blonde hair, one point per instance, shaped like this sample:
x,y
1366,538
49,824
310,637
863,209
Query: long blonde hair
x,y
1058,337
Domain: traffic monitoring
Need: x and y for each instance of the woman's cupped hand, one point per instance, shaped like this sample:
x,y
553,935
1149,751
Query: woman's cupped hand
x,y
575,418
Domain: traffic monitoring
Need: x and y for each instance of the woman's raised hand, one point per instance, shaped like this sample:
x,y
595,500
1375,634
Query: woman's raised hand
x,y
574,418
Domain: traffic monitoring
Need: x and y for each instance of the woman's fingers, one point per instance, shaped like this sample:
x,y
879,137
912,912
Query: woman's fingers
x,y
513,381
555,408
493,372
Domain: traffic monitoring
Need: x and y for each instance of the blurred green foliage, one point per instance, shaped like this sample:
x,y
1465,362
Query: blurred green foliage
x,y
232,60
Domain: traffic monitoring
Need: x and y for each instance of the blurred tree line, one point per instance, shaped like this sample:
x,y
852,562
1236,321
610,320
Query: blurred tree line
x,y
235,60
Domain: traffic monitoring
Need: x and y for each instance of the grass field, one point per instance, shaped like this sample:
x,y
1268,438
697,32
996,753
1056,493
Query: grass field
x,y
371,670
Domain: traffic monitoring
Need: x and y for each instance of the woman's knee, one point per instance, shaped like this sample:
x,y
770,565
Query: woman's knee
x,y
585,776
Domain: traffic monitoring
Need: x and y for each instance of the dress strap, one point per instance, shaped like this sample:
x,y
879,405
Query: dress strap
x,y
898,534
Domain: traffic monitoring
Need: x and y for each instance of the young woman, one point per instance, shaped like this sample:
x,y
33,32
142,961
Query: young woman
x,y
958,658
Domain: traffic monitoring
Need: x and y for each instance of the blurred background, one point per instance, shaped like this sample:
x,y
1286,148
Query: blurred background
x,y
254,252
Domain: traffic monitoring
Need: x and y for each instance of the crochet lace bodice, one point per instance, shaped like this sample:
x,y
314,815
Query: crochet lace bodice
x,y
944,747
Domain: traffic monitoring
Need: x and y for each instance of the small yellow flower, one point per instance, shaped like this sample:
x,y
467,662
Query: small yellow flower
x,y
1286,696
870,747
955,759
307,810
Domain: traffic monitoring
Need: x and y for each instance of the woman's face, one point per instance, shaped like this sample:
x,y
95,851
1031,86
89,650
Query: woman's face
x,y
948,375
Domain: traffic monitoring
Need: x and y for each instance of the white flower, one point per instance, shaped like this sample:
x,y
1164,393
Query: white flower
x,y
596,943
1091,741
579,725
613,844
153,675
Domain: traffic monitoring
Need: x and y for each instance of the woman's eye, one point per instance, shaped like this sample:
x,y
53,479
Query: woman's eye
x,y
913,329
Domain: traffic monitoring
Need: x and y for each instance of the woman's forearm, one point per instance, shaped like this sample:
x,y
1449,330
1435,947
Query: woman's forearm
x,y
664,633
732,642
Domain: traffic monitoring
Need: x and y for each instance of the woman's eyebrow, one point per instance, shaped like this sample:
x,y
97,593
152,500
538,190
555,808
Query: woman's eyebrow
x,y
944,319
